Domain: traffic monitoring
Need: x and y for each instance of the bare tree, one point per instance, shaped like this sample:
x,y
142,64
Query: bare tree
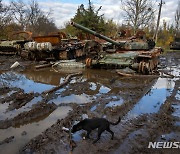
x,y
33,13
44,26
5,17
177,19
39,22
138,13
31,18
18,9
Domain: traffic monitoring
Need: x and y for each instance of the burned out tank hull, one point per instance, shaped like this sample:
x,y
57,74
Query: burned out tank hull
x,y
55,49
137,54
140,61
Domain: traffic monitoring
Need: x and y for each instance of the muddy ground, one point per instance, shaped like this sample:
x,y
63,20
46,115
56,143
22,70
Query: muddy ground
x,y
34,122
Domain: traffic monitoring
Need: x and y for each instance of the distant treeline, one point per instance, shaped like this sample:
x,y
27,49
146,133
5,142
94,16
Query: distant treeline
x,y
21,16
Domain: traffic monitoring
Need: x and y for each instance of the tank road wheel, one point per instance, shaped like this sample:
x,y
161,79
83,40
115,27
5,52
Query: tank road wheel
x,y
145,67
140,67
88,62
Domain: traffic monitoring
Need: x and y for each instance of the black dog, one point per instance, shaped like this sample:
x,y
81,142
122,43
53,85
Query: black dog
x,y
91,124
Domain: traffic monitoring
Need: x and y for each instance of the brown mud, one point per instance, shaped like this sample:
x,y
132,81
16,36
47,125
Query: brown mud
x,y
149,108
39,110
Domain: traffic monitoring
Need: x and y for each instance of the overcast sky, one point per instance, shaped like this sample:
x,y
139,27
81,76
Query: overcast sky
x,y
64,10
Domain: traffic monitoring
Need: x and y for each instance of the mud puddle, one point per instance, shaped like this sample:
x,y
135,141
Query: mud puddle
x,y
115,103
45,76
79,99
155,97
5,113
26,132
12,79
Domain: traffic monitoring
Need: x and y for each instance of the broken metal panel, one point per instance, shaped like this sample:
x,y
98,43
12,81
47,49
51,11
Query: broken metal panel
x,y
54,39
70,64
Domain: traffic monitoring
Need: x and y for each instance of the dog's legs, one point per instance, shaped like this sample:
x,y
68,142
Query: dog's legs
x,y
100,130
110,131
88,132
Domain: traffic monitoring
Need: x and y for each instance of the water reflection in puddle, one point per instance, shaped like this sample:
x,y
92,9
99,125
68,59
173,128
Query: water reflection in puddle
x,y
5,113
174,70
32,131
77,136
93,86
94,107
104,90
12,79
151,102
79,99
176,112
115,103
178,95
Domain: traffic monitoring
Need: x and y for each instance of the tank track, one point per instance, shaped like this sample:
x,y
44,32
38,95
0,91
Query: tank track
x,y
6,50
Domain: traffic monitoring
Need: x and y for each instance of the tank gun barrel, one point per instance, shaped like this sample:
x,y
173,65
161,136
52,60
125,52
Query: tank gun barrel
x,y
95,34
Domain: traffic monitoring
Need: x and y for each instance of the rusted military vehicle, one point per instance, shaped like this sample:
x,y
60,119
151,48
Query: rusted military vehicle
x,y
138,54
52,47
11,47
63,46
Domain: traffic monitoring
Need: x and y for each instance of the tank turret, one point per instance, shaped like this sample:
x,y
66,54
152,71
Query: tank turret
x,y
125,44
96,34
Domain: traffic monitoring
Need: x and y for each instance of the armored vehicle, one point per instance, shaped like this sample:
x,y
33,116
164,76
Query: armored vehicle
x,y
48,47
137,54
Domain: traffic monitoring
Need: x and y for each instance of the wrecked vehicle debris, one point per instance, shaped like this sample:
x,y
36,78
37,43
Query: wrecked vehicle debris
x,y
135,53
48,47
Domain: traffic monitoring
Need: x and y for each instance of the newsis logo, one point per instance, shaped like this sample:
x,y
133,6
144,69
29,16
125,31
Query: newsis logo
x,y
165,145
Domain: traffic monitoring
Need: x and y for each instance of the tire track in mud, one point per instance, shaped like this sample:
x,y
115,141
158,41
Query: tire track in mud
x,y
39,110
61,142
49,141
55,138
163,123
131,136
134,136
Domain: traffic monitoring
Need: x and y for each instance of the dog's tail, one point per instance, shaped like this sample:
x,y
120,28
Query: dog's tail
x,y
115,122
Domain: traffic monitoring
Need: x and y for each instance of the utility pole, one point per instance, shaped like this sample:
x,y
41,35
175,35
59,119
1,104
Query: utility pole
x,y
158,20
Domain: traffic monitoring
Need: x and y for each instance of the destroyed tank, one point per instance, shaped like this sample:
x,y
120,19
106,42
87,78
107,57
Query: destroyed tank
x,y
25,48
48,47
10,47
136,54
